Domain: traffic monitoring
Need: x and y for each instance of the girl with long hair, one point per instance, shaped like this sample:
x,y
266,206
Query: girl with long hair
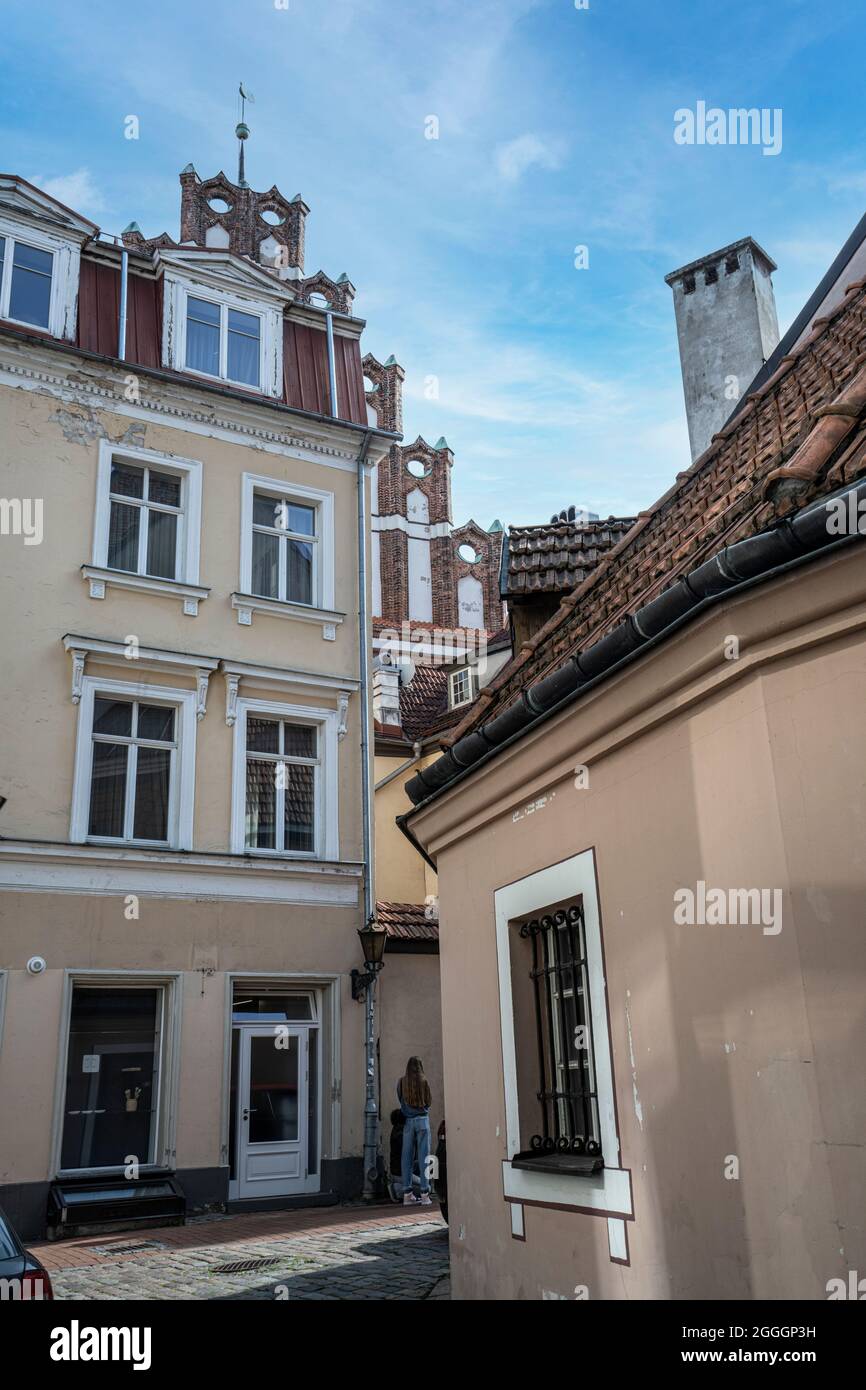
x,y
415,1099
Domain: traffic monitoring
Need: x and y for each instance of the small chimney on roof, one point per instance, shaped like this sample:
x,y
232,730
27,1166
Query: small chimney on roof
x,y
727,327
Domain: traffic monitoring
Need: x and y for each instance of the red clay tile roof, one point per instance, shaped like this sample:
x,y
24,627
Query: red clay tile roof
x,y
406,921
424,700
720,499
557,557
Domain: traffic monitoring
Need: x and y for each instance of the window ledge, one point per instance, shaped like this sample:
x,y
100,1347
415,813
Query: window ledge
x,y
564,1164
190,595
248,604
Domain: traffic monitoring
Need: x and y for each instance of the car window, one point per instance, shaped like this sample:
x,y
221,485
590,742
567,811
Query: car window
x,y
8,1246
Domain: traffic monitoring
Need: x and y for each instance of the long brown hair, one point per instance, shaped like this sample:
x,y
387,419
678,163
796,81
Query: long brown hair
x,y
414,1089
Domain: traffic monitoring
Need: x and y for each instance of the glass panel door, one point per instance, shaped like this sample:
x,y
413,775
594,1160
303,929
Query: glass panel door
x,y
112,1077
273,1111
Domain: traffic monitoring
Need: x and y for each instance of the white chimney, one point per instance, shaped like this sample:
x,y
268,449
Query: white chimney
x,y
727,327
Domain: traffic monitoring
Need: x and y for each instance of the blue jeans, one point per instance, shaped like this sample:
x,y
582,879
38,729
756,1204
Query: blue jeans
x,y
416,1133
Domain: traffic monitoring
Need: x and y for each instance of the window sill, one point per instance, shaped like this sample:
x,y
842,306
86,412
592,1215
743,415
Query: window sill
x,y
248,604
99,579
565,1164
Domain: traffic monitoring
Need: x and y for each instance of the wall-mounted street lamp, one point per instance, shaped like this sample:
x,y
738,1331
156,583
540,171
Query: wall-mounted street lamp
x,y
372,938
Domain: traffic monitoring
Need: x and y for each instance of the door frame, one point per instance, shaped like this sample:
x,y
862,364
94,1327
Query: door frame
x,y
326,988
302,1031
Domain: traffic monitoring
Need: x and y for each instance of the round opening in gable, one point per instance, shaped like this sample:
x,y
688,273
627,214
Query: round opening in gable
x,y
417,468
219,205
319,301
272,218
369,385
468,553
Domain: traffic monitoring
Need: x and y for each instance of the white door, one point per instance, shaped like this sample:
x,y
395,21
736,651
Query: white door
x,y
273,1111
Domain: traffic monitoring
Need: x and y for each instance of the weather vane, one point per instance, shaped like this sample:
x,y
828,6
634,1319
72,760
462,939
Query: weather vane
x,y
242,131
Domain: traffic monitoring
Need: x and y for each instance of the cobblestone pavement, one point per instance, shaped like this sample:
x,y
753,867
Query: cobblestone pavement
x,y
338,1254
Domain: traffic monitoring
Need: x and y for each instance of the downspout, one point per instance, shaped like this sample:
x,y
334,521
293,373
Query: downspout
x,y
371,1111
332,365
124,281
417,750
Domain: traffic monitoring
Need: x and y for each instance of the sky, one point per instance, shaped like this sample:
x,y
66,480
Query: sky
x,y
555,125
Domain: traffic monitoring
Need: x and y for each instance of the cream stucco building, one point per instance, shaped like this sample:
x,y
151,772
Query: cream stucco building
x,y
182,869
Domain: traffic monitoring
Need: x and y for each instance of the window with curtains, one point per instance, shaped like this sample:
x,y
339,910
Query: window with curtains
x,y
145,520
132,770
25,282
282,785
223,342
284,549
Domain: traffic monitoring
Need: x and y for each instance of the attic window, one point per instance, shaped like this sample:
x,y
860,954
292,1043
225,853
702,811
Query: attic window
x,y
732,264
462,686
223,342
25,282
711,275
688,284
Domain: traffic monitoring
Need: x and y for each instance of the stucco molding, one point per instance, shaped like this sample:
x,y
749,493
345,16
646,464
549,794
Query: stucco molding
x,y
170,404
102,871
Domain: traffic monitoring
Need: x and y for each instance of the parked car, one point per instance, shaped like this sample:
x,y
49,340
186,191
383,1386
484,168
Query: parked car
x,y
21,1274
440,1182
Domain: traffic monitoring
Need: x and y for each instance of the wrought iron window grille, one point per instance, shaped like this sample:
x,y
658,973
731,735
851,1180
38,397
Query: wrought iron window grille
x,y
570,1137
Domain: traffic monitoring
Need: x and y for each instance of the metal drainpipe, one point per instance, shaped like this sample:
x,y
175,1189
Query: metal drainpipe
x,y
371,1111
332,366
121,327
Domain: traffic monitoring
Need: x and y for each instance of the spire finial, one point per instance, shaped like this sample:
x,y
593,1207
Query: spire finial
x,y
242,131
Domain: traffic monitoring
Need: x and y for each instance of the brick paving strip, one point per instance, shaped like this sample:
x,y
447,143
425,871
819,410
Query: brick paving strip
x,y
381,1252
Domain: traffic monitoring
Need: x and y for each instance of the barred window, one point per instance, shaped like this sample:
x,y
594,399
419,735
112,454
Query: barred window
x,y
568,1137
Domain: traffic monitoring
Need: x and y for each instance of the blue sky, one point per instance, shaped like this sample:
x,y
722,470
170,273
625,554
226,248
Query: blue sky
x,y
556,385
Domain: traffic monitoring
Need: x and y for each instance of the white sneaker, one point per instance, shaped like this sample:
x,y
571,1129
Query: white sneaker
x,y
409,1199
425,1199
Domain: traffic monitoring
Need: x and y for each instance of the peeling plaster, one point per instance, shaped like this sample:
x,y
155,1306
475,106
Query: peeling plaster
x,y
638,1108
84,425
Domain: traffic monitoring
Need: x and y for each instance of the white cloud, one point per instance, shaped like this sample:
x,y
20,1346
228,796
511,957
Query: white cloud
x,y
513,159
77,191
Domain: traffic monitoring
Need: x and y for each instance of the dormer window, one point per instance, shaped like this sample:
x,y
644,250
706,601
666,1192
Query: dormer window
x,y
224,342
462,686
25,282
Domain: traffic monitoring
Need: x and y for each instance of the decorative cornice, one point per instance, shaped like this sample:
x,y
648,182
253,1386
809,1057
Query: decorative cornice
x,y
115,397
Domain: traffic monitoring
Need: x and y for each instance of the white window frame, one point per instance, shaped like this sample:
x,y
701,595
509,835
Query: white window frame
x,y
607,1193
323,548
182,788
178,290
189,522
326,836
219,303
169,1061
66,260
454,679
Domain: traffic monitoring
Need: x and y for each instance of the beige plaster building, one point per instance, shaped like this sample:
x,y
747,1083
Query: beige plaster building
x,y
182,863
